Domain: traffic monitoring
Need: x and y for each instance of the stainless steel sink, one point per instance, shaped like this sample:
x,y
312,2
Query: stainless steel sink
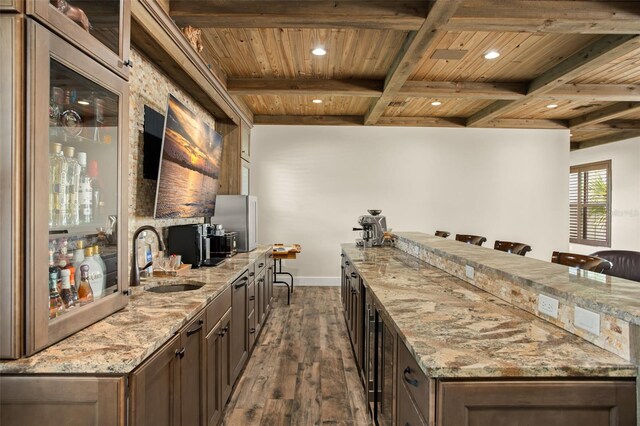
x,y
174,288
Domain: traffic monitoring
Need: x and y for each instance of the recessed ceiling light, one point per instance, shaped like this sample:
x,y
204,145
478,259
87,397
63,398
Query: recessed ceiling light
x,y
436,103
83,102
492,54
319,51
551,106
317,101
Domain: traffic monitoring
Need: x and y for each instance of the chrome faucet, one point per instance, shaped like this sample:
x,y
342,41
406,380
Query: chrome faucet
x,y
134,280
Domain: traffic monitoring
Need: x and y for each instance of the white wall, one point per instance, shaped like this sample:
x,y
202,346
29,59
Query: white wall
x,y
625,191
312,184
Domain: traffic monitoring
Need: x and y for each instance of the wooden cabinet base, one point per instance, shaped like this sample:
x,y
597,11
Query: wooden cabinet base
x,y
42,400
532,403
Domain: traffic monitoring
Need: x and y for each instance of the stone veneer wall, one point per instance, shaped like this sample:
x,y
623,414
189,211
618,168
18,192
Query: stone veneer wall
x,y
614,335
149,86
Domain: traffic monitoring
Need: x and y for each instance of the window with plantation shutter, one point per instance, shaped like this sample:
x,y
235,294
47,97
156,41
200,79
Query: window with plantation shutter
x,y
590,204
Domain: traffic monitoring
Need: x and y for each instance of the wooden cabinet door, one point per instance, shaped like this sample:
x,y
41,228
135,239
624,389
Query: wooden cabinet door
x,y
108,39
239,341
70,400
192,368
532,403
218,374
155,388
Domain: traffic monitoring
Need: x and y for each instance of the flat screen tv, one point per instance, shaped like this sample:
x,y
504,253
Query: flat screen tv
x,y
189,165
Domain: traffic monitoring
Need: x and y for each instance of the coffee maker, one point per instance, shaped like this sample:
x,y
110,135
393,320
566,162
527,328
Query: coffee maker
x,y
373,227
223,244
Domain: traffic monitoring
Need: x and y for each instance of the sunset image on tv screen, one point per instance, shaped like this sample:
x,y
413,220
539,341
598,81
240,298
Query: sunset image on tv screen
x,y
189,167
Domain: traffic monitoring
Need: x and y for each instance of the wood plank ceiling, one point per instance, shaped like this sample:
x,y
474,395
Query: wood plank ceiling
x,y
387,62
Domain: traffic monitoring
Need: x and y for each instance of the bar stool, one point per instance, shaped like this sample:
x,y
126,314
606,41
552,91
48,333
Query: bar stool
x,y
443,234
581,261
476,240
510,247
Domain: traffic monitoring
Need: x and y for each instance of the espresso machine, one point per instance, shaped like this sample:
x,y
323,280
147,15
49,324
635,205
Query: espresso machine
x,y
373,227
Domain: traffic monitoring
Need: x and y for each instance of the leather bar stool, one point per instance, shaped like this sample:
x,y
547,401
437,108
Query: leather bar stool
x,y
443,234
626,263
581,261
510,247
476,240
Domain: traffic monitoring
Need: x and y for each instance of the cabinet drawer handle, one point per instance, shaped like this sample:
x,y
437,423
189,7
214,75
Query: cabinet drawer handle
x,y
195,330
128,63
241,284
412,382
353,291
180,353
354,275
252,298
347,263
251,274
341,254
252,330
260,265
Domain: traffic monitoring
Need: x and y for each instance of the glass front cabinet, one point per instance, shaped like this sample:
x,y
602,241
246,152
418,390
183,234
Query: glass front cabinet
x,y
76,189
100,28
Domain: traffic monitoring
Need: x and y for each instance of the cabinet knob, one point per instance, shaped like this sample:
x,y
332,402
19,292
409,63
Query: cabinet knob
x,y
128,63
180,353
347,263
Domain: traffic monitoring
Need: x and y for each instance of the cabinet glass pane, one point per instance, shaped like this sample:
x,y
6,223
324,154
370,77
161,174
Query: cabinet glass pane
x,y
101,18
83,192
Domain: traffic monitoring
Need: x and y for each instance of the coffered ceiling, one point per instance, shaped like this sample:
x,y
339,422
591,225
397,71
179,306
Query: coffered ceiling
x,y
563,63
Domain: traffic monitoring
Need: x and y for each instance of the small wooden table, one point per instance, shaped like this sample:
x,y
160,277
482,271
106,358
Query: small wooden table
x,y
280,251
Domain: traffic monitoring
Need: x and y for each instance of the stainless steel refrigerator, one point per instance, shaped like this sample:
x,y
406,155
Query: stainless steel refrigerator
x,y
238,213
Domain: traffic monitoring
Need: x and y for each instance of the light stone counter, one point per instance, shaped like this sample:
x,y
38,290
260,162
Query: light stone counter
x,y
122,341
457,330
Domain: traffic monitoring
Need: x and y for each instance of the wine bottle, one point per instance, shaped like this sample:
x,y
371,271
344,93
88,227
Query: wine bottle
x,y
73,181
56,306
58,189
66,294
85,294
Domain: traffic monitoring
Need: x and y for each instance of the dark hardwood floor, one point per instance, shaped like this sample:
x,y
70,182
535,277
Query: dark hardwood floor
x,y
302,371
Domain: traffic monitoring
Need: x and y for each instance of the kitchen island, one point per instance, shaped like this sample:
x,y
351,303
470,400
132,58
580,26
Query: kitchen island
x,y
434,349
165,357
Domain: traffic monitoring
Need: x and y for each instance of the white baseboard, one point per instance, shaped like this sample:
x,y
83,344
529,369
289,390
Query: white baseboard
x,y
315,281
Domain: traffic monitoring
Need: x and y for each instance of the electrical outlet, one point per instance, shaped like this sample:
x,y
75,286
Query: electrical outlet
x,y
469,271
587,320
548,305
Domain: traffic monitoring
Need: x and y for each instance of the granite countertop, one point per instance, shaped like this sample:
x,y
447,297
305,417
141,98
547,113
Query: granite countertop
x,y
457,330
603,293
122,341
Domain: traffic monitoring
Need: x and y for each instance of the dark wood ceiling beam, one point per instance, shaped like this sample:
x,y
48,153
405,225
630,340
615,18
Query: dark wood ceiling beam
x,y
319,87
595,92
607,113
416,44
422,121
557,16
613,137
609,125
469,89
598,53
310,120
375,14
519,123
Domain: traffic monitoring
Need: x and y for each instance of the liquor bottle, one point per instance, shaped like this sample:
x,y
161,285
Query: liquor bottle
x,y
53,269
85,192
94,275
73,182
66,294
58,189
72,274
85,294
56,306
96,203
100,262
78,258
